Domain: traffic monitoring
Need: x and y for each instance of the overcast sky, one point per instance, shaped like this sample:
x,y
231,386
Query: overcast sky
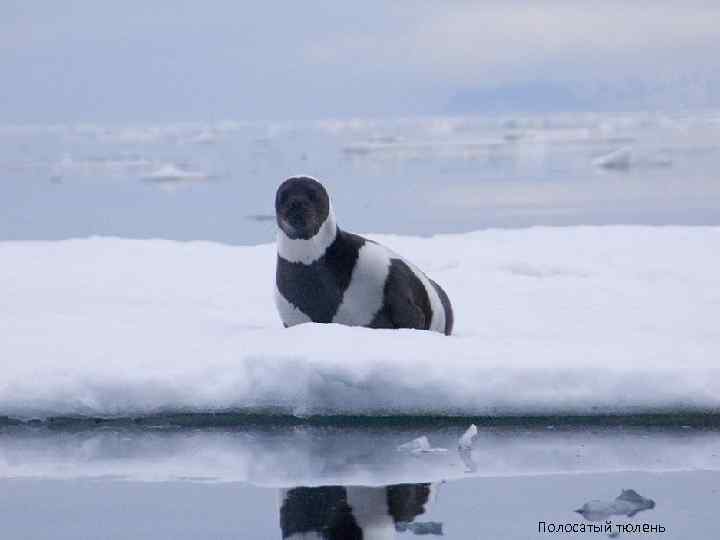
x,y
174,60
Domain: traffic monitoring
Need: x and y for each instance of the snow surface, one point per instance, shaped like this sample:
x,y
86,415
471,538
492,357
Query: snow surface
x,y
585,320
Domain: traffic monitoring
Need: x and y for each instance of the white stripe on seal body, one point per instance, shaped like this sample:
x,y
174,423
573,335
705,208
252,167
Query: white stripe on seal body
x,y
307,251
370,510
365,294
290,314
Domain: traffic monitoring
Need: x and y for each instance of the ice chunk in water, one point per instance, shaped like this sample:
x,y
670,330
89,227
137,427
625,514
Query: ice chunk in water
x,y
467,438
619,159
628,503
421,445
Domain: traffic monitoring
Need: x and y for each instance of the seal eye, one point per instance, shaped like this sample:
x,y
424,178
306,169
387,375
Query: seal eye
x,y
312,196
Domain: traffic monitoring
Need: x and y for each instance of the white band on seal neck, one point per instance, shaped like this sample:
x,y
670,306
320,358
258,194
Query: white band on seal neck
x,y
307,251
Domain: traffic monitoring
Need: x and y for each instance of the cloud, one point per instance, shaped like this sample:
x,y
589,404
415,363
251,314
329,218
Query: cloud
x,y
493,42
170,60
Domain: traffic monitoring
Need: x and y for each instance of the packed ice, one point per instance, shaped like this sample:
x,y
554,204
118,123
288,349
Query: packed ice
x,y
562,321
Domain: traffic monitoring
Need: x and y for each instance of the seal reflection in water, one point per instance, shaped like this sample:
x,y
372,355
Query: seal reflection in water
x,y
354,513
328,275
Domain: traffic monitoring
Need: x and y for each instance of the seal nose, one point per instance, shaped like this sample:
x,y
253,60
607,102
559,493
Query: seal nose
x,y
296,211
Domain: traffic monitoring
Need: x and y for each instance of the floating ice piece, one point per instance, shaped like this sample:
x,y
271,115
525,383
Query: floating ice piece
x,y
619,159
597,510
204,137
421,445
170,173
416,444
467,459
384,139
261,217
420,528
467,438
122,165
628,503
465,448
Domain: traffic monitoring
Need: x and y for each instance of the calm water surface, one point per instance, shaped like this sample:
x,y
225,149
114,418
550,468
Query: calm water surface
x,y
216,180
276,482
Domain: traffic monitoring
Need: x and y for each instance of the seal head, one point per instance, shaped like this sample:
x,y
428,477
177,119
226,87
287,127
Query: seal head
x,y
301,207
